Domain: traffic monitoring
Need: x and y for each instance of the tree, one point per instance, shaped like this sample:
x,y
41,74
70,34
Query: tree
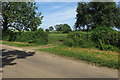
x,y
106,13
51,28
83,16
58,27
20,15
65,28
95,14
47,30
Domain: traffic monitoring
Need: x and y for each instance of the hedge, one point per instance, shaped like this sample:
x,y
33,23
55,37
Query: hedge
x,y
38,37
102,37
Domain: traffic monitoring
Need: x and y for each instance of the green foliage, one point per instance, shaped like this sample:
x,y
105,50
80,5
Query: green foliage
x,y
38,37
94,14
83,16
51,28
56,37
96,57
106,36
102,37
47,30
80,39
65,28
9,35
103,46
20,16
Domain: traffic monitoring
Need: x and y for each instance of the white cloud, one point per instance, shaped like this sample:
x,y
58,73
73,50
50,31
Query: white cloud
x,y
57,7
59,17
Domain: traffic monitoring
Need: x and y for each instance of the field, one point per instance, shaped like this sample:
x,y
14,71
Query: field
x,y
56,37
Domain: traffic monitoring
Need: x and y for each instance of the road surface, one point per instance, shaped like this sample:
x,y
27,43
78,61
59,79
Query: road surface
x,y
19,64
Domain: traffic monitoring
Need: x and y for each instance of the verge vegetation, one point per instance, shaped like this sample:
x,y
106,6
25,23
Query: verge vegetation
x,y
97,57
18,44
37,37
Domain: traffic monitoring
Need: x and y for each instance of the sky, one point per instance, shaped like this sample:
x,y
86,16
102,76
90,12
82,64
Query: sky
x,y
57,13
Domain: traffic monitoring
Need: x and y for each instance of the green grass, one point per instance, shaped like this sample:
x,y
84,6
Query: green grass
x,y
100,58
56,37
18,44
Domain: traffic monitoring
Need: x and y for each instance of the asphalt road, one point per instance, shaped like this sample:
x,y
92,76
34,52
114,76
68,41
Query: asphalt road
x,y
19,64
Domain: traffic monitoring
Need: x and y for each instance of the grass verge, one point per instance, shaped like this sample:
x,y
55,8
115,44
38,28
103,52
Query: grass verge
x,y
18,44
100,58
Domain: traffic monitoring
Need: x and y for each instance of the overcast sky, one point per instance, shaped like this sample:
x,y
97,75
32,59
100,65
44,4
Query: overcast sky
x,y
57,13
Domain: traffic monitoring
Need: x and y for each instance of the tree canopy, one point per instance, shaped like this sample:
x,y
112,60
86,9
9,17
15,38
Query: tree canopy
x,y
93,14
20,16
47,30
51,28
65,28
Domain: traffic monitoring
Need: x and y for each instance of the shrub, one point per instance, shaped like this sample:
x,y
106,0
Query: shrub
x,y
106,36
101,37
103,46
38,37
80,39
9,36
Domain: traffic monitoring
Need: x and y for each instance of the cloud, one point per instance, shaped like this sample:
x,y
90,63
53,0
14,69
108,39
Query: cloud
x,y
57,7
57,13
59,17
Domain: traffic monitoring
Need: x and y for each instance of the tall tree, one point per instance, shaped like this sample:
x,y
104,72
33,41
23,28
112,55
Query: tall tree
x,y
106,13
95,14
58,27
51,28
47,30
83,16
65,28
20,15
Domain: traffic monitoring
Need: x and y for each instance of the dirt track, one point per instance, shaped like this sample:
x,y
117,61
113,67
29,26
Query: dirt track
x,y
19,64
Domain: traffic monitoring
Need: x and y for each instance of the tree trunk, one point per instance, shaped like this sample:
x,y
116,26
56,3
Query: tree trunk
x,y
5,25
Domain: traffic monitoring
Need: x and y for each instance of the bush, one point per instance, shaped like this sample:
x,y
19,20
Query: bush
x,y
103,46
9,36
102,37
38,37
107,36
80,39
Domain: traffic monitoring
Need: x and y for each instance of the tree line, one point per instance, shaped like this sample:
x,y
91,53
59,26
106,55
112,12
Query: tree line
x,y
23,16
64,28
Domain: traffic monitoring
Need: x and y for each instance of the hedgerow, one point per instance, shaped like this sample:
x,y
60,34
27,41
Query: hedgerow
x,y
38,36
102,37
